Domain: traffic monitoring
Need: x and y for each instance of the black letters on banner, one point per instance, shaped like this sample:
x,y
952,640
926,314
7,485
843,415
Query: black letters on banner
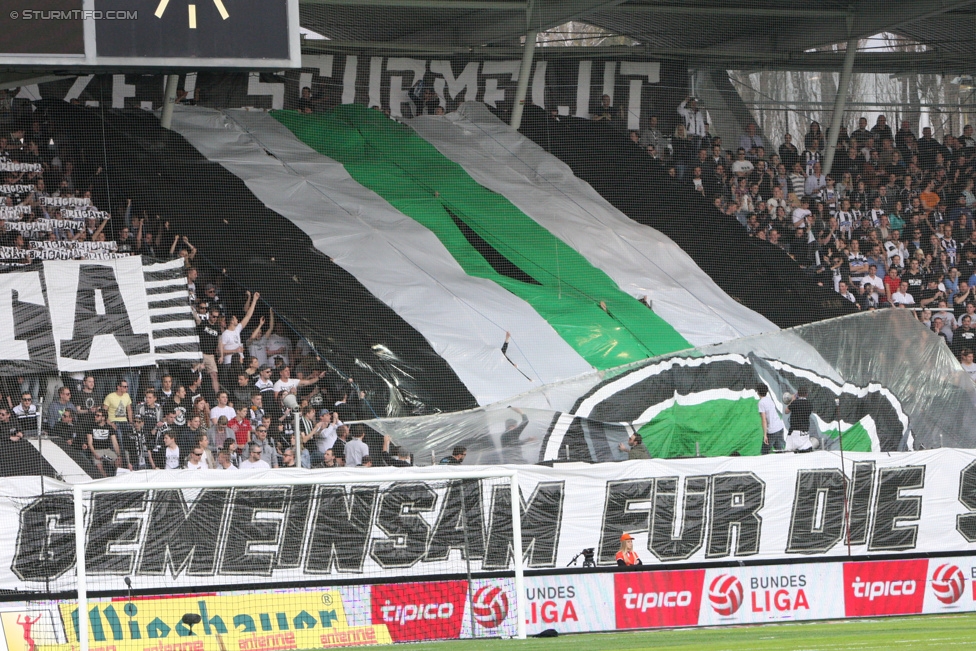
x,y
460,524
249,530
892,509
736,500
662,542
297,510
618,518
45,539
817,523
115,321
341,529
862,488
966,522
32,323
541,522
182,539
106,529
399,518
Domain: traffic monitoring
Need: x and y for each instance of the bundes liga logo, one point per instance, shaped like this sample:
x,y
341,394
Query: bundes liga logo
x,y
490,606
725,594
948,583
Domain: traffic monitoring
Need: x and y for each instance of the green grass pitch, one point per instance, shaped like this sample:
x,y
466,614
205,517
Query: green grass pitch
x,y
928,632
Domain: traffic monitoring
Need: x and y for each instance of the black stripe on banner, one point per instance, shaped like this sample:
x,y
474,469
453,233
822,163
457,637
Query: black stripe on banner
x,y
166,274
170,318
172,302
175,332
178,348
166,289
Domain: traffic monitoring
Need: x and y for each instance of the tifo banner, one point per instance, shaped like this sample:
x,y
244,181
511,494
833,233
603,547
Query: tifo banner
x,y
76,315
679,512
638,86
361,615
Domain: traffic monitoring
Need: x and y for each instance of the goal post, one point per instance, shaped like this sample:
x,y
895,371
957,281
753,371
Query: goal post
x,y
401,555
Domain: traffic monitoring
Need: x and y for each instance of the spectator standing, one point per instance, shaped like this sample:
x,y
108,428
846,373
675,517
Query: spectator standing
x,y
58,407
230,347
254,460
222,408
456,457
224,461
118,405
208,331
264,444
356,449
772,425
103,444
26,411
694,120
149,410
966,360
635,448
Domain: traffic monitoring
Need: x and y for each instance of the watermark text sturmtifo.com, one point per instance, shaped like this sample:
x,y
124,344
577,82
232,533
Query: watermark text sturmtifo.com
x,y
73,14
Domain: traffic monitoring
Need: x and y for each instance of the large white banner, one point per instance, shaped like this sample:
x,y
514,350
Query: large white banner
x,y
788,507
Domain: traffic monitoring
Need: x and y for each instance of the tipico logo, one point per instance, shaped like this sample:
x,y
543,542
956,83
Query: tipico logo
x,y
490,606
948,583
725,594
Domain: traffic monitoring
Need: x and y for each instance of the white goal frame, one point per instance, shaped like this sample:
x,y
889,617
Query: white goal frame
x,y
310,478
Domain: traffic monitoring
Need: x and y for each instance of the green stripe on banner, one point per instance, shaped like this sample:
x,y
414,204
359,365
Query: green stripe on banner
x,y
488,236
856,438
719,427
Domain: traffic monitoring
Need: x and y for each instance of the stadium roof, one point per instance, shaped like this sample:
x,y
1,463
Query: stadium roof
x,y
708,33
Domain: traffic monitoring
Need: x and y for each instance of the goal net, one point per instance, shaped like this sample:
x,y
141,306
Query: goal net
x,y
174,561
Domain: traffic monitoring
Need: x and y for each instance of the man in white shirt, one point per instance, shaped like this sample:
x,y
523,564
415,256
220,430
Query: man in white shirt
x,y
277,347
224,462
325,431
902,298
195,461
230,339
801,214
254,460
873,286
773,426
355,448
740,166
694,119
815,181
222,408
777,200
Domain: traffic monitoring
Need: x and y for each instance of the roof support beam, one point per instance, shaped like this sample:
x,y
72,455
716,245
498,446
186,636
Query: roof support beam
x,y
700,10
498,5
837,118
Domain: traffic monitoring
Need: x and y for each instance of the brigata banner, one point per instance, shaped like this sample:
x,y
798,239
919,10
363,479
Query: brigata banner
x,y
787,507
80,315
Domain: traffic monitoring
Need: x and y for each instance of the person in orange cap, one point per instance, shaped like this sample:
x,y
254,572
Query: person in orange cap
x,y
627,557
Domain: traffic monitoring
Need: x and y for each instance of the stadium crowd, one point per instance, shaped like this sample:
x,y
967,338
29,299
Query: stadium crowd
x,y
890,226
235,410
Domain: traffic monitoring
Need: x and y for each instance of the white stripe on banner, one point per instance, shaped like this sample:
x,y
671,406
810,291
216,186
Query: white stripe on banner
x,y
179,291
176,294
156,284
